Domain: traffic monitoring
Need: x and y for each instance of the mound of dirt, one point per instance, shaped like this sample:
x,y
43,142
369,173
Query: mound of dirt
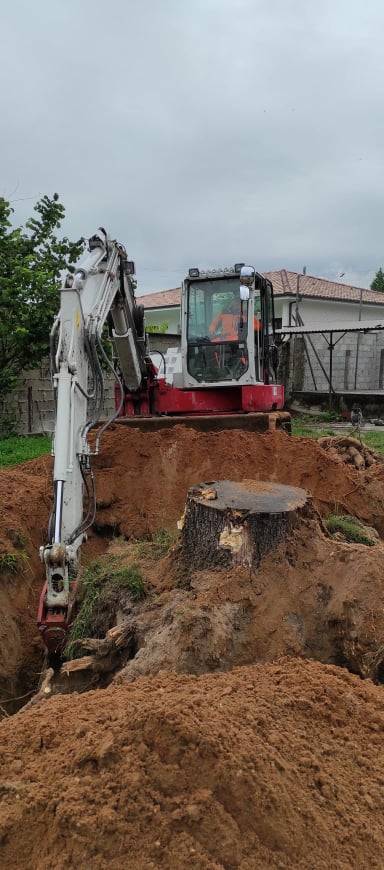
x,y
142,479
267,766
311,596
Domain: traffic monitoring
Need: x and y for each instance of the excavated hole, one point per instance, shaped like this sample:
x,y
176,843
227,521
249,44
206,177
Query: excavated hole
x,y
327,643
130,503
342,661
379,674
107,530
14,695
23,681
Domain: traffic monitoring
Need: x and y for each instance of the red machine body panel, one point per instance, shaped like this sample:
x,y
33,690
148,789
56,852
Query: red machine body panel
x,y
163,399
54,623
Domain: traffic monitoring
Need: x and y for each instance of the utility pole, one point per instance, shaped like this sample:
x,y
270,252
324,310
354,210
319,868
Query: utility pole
x,y
297,298
358,341
304,272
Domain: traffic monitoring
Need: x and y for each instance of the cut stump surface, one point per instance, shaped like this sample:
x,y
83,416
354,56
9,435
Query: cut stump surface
x,y
228,523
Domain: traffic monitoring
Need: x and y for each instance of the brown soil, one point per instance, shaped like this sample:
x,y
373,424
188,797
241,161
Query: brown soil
x,y
268,766
24,508
312,597
142,480
25,503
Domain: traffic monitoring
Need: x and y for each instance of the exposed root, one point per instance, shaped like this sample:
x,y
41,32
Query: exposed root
x,y
351,451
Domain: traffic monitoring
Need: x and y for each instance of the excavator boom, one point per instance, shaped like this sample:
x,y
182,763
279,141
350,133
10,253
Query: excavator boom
x,y
102,287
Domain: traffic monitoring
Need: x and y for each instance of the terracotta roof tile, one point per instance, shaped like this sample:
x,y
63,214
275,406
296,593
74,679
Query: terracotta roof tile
x,y
160,299
284,284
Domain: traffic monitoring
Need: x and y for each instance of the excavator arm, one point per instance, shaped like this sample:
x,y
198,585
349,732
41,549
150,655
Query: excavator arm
x,y
101,288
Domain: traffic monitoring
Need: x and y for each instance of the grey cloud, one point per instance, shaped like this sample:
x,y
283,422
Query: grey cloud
x,y
202,132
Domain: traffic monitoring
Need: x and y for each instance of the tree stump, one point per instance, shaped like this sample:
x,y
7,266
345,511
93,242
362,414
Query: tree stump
x,y
227,524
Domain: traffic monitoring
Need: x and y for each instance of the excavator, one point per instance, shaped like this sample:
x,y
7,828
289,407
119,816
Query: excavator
x,y
226,378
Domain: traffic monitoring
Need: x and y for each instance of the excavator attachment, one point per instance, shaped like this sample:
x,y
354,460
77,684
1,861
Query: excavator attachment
x,y
54,622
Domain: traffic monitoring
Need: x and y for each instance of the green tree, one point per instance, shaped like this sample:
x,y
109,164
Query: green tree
x,y
155,328
31,260
378,281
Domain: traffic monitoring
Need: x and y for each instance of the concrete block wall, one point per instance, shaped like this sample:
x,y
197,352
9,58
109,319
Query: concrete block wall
x,y
162,341
368,350
30,409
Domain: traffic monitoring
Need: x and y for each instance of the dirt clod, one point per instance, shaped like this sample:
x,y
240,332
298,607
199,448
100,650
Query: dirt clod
x,y
186,759
265,766
350,450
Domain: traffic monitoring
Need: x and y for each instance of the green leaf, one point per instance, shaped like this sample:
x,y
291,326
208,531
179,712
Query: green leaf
x,y
31,260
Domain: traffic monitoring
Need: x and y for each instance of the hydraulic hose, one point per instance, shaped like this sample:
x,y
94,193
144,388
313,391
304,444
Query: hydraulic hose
x,y
121,388
160,352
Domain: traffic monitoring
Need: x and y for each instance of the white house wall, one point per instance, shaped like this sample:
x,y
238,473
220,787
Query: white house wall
x,y
370,369
327,312
368,349
158,316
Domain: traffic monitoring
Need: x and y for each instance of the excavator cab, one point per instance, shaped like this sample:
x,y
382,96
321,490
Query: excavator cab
x,y
227,328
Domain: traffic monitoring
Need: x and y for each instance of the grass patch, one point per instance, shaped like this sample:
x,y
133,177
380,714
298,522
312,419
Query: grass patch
x,y
157,546
101,586
351,529
374,440
12,563
321,417
304,430
21,448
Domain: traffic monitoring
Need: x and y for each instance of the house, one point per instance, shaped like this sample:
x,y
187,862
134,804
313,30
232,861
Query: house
x,y
319,301
163,309
358,362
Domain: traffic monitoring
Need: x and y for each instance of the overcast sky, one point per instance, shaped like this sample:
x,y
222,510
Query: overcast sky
x,y
202,132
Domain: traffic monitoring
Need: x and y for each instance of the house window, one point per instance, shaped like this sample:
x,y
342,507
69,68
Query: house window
x,y
278,322
381,371
347,363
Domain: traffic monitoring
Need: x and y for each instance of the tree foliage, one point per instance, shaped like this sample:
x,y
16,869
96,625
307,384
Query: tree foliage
x,y
31,259
378,281
155,328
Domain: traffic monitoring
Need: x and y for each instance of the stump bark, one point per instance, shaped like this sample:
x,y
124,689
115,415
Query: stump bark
x,y
227,524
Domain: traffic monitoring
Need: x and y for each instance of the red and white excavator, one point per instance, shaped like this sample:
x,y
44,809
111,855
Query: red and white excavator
x,y
227,378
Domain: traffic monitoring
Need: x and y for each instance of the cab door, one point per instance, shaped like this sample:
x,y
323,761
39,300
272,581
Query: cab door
x,y
267,337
